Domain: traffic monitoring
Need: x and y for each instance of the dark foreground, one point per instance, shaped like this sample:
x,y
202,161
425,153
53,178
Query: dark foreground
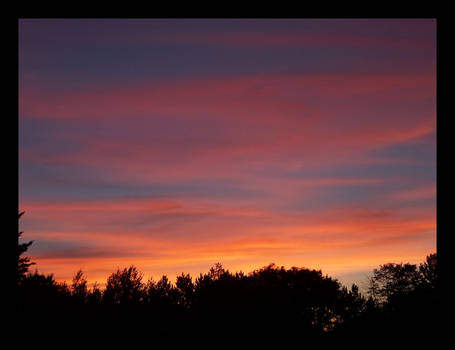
x,y
286,308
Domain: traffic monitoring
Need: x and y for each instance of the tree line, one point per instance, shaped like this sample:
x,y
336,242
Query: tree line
x,y
274,302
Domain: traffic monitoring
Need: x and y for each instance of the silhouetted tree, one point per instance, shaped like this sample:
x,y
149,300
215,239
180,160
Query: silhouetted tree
x,y
94,295
23,262
392,280
41,290
185,287
350,303
295,304
402,303
428,271
79,287
162,294
124,287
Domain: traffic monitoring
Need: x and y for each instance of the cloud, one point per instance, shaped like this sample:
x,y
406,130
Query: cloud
x,y
223,127
227,233
285,95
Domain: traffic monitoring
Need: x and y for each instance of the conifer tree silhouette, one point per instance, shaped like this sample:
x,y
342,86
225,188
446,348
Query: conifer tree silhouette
x,y
23,263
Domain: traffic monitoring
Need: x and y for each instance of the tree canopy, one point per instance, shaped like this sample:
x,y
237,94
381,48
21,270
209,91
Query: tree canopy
x,y
273,301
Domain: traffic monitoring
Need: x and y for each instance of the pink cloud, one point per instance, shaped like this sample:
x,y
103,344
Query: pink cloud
x,y
258,97
276,114
422,192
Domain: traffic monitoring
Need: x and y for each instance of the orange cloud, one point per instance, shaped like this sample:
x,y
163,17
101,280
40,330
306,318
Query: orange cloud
x,y
318,240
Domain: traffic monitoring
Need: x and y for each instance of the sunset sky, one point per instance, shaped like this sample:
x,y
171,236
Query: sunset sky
x,y
176,144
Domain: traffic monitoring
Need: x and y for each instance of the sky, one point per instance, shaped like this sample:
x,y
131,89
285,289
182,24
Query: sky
x,y
173,144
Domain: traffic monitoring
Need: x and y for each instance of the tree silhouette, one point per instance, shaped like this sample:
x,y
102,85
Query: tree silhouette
x,y
124,287
428,271
185,287
295,304
166,291
23,263
392,280
95,295
79,287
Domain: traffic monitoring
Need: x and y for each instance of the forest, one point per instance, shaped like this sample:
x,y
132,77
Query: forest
x,y
270,304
